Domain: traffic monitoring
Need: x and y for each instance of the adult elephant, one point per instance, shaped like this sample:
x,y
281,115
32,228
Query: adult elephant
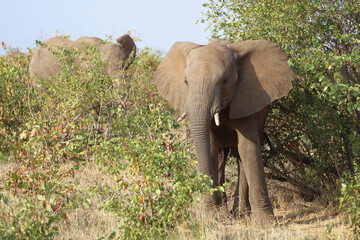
x,y
44,65
225,89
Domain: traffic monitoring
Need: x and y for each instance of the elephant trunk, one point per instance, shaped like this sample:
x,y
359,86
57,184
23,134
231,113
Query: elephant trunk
x,y
200,131
200,113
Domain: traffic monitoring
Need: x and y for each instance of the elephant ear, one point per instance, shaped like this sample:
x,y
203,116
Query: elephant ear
x,y
264,76
169,76
128,44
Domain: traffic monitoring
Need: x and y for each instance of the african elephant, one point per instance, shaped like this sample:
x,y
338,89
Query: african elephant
x,y
44,65
225,88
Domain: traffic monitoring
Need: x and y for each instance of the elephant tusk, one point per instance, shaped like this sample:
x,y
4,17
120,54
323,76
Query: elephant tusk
x,y
184,115
217,119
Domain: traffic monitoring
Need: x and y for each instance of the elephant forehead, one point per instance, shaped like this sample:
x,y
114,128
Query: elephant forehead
x,y
211,53
209,59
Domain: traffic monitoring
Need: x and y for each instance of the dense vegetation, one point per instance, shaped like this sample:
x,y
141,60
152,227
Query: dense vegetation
x,y
51,129
314,133
82,116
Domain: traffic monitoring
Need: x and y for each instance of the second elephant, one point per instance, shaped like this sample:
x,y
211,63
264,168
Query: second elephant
x,y
44,65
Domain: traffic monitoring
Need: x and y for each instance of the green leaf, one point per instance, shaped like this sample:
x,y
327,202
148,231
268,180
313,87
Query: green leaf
x,y
221,189
40,197
3,158
330,227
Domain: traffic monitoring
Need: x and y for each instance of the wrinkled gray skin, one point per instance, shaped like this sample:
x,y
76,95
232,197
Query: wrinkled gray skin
x,y
232,83
43,64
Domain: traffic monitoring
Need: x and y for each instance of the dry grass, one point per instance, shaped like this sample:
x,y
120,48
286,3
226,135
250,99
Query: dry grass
x,y
90,223
296,219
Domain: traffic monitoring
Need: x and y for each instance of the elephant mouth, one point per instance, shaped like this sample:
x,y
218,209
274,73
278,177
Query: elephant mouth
x,y
216,118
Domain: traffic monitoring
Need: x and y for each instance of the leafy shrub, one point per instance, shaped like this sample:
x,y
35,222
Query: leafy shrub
x,y
350,200
84,115
43,126
36,203
156,182
13,98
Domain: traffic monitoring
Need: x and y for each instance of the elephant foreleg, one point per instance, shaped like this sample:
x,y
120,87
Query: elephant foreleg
x,y
214,153
250,155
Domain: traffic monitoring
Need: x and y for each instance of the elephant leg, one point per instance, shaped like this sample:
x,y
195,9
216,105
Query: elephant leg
x,y
235,209
222,158
250,155
218,199
244,203
241,196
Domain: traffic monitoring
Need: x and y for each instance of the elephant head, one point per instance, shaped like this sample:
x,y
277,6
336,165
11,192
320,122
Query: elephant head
x,y
235,79
44,65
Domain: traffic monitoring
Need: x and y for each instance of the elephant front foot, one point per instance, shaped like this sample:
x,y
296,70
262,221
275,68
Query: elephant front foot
x,y
215,205
262,218
240,214
214,201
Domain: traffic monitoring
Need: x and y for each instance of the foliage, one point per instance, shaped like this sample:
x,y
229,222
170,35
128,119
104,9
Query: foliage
x,y
350,201
13,97
313,134
49,128
42,128
43,203
156,182
32,199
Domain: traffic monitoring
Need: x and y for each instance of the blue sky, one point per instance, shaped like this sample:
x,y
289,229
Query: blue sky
x,y
158,23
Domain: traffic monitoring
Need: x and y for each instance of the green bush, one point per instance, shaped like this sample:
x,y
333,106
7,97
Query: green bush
x,y
350,200
157,184
13,99
44,125
36,204
83,115
32,199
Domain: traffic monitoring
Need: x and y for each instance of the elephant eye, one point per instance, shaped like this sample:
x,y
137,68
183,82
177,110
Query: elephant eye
x,y
186,82
225,80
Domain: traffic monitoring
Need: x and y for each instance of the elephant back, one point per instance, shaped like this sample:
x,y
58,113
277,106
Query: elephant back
x,y
43,63
94,41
